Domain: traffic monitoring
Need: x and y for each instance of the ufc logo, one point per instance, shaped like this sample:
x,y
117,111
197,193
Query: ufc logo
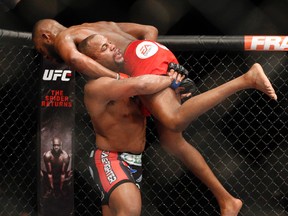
x,y
53,75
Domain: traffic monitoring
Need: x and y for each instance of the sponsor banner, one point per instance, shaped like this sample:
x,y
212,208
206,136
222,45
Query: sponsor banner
x,y
56,124
266,43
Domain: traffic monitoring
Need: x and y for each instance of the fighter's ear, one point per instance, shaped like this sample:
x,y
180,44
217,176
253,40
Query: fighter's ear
x,y
45,36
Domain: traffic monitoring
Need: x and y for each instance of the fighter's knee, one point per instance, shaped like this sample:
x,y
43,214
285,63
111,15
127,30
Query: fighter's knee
x,y
131,211
175,125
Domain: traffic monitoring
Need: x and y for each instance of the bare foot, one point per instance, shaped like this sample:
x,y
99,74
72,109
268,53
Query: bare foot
x,y
233,208
260,81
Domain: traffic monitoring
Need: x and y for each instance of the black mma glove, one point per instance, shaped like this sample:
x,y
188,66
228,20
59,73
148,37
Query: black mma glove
x,y
180,70
187,89
189,86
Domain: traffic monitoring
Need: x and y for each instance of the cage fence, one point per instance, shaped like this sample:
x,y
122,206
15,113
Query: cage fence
x,y
243,139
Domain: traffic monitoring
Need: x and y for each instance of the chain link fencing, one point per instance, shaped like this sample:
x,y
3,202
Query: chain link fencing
x,y
19,65
244,140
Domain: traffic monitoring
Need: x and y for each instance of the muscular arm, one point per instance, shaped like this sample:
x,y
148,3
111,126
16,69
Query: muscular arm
x,y
48,165
110,89
141,32
65,164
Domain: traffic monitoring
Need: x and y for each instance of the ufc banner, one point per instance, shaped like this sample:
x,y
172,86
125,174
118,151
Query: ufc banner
x,y
56,132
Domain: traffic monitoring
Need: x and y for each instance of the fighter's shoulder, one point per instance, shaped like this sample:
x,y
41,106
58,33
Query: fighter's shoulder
x,y
99,24
93,84
47,154
65,154
68,32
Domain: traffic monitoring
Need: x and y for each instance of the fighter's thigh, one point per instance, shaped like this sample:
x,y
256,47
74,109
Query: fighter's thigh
x,y
169,140
106,211
175,144
163,105
126,199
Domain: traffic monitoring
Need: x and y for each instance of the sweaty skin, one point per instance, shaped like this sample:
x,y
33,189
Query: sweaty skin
x,y
118,122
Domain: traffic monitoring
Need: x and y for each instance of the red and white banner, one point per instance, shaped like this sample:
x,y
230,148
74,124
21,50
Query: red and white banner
x,y
266,43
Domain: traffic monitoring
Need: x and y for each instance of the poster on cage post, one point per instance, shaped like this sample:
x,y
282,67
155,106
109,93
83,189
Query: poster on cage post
x,y
56,132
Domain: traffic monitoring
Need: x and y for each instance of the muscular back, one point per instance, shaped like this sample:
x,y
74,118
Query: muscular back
x,y
120,34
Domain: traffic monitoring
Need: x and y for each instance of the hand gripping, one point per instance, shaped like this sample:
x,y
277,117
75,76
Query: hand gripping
x,y
178,68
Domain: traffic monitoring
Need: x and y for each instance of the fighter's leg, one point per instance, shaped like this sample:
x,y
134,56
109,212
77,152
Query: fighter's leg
x,y
164,106
254,78
106,211
175,144
116,183
125,200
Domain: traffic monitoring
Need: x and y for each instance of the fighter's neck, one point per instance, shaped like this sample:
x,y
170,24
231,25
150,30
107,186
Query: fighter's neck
x,y
124,44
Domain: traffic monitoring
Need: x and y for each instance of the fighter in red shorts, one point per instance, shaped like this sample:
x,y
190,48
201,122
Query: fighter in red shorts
x,y
147,56
111,169
119,127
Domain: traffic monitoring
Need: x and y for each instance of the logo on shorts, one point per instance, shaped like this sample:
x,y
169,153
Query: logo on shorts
x,y
110,175
54,75
133,171
139,179
102,194
146,49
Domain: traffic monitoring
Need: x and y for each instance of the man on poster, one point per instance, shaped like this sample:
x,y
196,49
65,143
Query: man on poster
x,y
56,163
